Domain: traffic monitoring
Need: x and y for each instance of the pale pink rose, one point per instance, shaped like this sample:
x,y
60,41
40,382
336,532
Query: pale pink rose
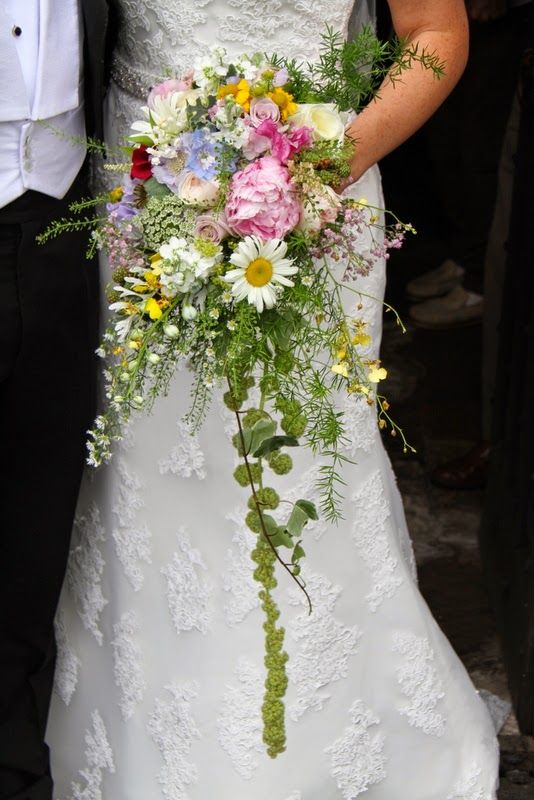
x,y
212,227
262,108
196,191
319,209
262,201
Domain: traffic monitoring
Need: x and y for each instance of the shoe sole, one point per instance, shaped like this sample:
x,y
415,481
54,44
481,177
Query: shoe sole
x,y
444,289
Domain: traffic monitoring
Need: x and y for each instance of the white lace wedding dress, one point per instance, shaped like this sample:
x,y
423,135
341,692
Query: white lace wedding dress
x,y
160,670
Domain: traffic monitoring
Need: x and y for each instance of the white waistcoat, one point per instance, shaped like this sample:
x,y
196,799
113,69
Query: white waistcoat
x,y
37,139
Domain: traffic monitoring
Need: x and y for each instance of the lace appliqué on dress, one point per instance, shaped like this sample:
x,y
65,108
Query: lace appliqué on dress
x,y
357,758
469,788
132,543
128,664
85,570
370,536
99,757
359,421
420,683
67,663
238,579
240,723
186,458
189,592
173,730
325,645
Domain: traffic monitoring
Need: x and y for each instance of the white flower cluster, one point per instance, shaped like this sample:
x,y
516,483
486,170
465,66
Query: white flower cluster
x,y
183,268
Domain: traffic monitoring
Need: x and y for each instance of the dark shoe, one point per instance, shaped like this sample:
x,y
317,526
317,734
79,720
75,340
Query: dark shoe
x,y
467,472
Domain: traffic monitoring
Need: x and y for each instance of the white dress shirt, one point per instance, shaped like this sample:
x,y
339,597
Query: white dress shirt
x,y
41,97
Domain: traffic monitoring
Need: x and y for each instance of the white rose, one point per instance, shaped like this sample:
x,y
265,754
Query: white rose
x,y
197,191
318,209
324,119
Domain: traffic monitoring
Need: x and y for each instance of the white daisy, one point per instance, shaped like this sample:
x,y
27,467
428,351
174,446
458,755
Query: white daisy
x,y
260,266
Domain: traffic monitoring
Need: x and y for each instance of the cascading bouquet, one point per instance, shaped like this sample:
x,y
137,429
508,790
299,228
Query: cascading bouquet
x,y
225,242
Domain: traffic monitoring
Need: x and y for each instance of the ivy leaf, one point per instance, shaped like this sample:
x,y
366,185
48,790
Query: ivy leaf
x,y
263,429
298,553
281,538
302,512
296,522
275,443
271,525
308,508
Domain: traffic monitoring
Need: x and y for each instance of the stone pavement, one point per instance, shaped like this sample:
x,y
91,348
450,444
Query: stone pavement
x,y
444,524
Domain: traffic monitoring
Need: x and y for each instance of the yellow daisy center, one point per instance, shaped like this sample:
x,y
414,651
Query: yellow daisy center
x,y
259,272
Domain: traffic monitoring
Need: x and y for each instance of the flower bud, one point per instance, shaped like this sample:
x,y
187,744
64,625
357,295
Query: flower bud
x,y
189,312
171,331
153,358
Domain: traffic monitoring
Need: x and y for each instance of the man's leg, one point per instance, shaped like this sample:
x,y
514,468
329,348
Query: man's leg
x,y
46,402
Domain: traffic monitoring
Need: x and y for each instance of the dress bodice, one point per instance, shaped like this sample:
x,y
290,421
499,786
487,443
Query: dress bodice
x,y
162,37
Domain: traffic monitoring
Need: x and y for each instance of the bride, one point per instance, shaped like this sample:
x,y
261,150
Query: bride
x,y
160,672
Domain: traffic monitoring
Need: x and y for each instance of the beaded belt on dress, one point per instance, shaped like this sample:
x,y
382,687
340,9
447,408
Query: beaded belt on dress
x,y
136,82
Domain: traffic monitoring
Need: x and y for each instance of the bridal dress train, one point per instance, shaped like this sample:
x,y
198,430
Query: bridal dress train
x,y
160,670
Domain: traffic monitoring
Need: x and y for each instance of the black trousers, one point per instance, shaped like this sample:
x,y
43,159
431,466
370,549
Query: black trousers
x,y
48,330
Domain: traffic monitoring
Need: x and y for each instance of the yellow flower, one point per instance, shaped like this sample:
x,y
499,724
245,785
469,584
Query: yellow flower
x,y
115,196
240,92
358,388
377,373
341,369
284,101
362,338
152,280
341,354
152,309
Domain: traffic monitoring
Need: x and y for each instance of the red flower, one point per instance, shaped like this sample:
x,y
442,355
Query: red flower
x,y
141,166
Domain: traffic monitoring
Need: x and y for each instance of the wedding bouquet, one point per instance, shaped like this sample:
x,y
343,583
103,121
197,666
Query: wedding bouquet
x,y
231,250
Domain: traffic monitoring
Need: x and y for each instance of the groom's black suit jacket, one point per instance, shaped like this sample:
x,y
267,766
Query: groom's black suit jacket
x,y
48,334
100,27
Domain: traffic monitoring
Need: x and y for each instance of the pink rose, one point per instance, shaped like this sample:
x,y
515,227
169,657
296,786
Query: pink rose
x,y
212,227
262,108
262,201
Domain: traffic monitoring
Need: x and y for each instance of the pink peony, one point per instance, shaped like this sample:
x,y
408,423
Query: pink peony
x,y
262,108
262,201
212,227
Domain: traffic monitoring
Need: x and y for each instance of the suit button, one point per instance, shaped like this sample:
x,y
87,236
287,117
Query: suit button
x,y
16,30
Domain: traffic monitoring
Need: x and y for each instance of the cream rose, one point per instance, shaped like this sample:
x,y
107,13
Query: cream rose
x,y
197,191
325,120
318,209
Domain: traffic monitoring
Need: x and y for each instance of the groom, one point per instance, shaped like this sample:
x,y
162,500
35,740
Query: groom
x,y
52,68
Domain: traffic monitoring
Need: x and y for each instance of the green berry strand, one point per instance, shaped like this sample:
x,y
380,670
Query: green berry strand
x,y
273,709
241,474
294,425
280,463
267,498
253,521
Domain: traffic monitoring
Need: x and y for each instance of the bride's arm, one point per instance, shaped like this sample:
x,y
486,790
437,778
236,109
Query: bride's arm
x,y
438,26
